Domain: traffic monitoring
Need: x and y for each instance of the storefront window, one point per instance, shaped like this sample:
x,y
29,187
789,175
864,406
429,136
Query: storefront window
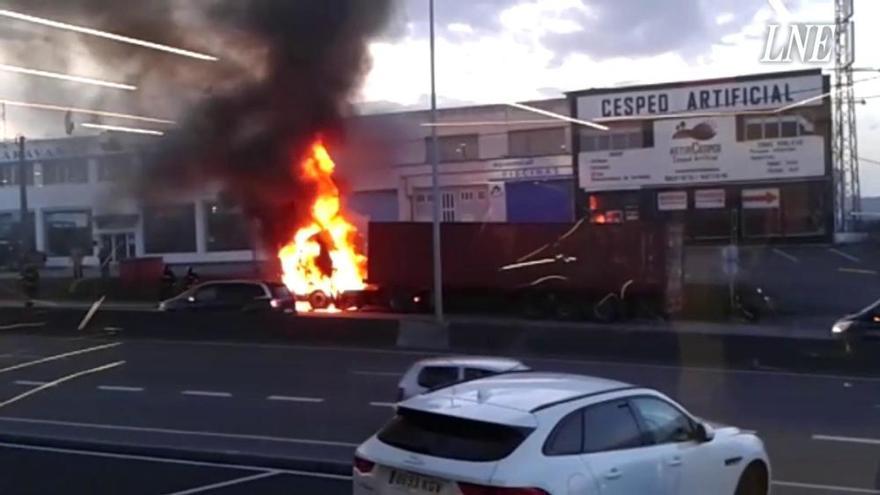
x,y
227,228
170,229
760,223
803,209
709,224
67,231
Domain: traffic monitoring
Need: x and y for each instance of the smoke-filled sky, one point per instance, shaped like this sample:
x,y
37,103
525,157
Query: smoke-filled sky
x,y
488,51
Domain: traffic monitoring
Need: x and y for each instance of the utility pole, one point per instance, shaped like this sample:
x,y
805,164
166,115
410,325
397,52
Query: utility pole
x,y
435,181
845,139
25,220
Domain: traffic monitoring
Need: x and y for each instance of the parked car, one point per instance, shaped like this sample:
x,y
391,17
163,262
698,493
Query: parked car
x,y
545,433
429,374
858,329
233,295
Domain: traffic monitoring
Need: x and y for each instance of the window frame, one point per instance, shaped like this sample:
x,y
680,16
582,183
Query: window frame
x,y
547,447
644,439
646,431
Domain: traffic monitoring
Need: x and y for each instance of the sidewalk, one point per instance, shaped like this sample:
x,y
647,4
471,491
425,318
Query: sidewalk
x,y
798,327
83,305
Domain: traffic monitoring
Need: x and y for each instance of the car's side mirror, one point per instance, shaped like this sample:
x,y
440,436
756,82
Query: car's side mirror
x,y
704,433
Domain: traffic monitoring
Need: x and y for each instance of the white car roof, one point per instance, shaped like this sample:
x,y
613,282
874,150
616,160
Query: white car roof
x,y
482,362
510,398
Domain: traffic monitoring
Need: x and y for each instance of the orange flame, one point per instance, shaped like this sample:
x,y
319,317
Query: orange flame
x,y
299,259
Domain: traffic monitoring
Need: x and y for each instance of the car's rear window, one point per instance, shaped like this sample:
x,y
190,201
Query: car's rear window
x,y
451,438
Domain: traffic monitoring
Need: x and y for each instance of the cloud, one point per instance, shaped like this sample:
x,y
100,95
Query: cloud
x,y
600,29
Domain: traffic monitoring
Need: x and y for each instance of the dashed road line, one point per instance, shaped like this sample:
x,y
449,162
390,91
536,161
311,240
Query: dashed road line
x,y
389,374
18,326
115,388
166,431
858,271
224,484
834,438
845,256
29,383
285,398
825,488
785,255
206,393
59,356
59,381
383,404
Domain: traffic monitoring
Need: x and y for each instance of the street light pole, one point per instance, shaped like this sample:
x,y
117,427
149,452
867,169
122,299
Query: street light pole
x,y
24,221
435,181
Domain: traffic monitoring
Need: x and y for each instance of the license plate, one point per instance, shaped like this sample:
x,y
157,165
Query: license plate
x,y
414,483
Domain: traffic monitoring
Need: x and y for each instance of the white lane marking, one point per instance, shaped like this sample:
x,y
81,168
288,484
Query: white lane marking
x,y
115,388
392,374
833,438
91,313
29,383
164,431
16,326
206,393
59,356
844,255
383,404
170,460
827,488
285,398
224,484
532,358
59,381
858,271
785,255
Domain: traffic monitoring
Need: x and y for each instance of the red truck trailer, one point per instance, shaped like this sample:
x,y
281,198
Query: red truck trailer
x,y
546,269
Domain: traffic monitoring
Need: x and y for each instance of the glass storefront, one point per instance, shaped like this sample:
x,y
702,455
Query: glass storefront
x,y
714,214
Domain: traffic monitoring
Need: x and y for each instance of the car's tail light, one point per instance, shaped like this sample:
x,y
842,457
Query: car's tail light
x,y
275,303
469,489
363,466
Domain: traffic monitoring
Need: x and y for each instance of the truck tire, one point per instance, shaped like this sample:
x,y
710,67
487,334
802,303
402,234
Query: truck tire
x,y
318,300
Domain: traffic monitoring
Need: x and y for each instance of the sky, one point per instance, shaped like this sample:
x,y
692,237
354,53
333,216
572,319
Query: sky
x,y
492,51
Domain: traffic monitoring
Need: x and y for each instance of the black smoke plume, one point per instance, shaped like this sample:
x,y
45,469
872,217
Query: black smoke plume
x,y
288,70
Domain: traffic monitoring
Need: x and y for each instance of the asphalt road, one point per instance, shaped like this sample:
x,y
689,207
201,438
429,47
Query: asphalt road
x,y
292,403
42,471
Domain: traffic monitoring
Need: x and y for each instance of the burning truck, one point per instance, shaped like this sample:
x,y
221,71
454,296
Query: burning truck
x,y
565,271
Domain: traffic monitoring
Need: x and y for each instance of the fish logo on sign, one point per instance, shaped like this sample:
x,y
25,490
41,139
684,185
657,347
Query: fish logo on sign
x,y
703,131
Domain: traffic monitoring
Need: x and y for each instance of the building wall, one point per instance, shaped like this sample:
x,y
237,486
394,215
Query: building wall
x,y
482,150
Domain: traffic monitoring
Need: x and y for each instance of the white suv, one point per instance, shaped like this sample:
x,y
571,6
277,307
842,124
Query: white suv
x,y
555,434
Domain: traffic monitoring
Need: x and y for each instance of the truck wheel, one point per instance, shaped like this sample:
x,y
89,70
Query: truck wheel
x,y
319,300
400,302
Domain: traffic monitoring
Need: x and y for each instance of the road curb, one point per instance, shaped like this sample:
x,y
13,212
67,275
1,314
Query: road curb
x,y
220,458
